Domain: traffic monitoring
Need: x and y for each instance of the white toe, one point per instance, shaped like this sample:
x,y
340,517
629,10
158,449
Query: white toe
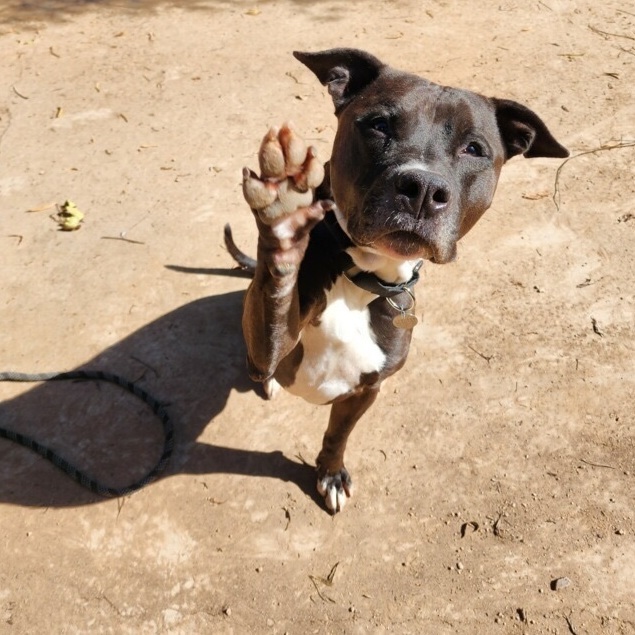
x,y
271,387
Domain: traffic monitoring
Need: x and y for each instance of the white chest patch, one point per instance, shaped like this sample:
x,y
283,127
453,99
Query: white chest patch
x,y
340,348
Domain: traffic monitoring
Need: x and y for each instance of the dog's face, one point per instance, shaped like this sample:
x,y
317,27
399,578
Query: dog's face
x,y
415,164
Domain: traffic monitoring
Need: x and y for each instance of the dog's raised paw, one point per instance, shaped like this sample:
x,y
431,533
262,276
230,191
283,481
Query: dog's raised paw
x,y
289,172
336,488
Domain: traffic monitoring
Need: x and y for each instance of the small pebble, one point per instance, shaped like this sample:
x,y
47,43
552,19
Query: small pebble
x,y
620,532
560,583
227,610
459,566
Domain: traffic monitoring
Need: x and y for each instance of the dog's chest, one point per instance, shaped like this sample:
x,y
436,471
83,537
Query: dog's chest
x,y
339,348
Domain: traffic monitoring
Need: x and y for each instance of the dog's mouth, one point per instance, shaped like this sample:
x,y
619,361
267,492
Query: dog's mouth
x,y
400,236
387,225
406,245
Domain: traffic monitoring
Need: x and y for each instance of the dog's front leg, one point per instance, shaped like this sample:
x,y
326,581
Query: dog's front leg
x,y
334,481
281,199
271,314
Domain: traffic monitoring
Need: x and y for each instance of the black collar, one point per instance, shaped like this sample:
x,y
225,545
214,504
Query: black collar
x,y
365,279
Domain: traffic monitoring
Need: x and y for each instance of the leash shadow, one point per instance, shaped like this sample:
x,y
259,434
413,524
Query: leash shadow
x,y
190,359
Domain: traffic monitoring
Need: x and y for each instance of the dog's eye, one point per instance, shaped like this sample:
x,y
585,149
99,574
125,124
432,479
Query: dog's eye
x,y
379,124
474,149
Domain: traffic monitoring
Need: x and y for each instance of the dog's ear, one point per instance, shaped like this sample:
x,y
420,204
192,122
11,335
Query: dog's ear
x,y
524,132
344,71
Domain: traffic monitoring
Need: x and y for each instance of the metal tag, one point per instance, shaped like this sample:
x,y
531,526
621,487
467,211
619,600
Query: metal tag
x,y
405,321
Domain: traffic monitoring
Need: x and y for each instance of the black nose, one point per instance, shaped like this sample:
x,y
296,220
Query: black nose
x,y
428,193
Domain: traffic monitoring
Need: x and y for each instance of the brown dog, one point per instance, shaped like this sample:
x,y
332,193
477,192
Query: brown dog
x,y
330,311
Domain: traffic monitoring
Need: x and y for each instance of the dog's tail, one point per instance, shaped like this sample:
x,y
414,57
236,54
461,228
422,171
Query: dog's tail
x,y
244,262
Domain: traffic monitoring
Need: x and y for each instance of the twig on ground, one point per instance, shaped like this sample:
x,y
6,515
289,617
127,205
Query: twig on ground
x,y
607,35
15,90
328,581
122,237
303,460
487,358
608,467
556,188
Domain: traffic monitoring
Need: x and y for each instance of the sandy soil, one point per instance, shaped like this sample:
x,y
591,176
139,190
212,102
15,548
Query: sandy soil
x,y
500,459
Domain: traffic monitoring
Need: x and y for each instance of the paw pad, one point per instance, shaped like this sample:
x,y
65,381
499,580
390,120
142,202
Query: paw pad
x,y
289,171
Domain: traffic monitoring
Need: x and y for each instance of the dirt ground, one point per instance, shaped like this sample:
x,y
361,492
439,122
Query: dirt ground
x,y
500,459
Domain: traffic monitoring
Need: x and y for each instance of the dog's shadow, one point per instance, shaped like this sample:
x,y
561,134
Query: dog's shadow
x,y
190,359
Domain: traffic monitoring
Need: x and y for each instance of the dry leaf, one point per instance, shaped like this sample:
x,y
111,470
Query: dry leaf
x,y
69,217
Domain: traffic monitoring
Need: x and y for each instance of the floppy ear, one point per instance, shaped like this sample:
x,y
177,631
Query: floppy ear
x,y
344,71
523,132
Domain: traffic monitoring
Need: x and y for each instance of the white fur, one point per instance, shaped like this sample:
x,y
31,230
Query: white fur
x,y
271,387
388,269
334,497
284,230
340,348
413,165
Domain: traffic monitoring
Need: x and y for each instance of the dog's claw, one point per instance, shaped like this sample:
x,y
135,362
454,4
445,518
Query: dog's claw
x,y
336,489
258,194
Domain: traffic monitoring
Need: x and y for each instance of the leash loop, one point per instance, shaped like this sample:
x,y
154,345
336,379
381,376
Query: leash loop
x,y
69,469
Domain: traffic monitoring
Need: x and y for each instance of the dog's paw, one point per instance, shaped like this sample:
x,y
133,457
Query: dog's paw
x,y
336,488
289,172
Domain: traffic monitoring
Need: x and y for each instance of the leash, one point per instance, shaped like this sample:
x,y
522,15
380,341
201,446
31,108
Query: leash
x,y
70,470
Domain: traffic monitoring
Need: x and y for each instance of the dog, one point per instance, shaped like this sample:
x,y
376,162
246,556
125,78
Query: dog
x,y
329,313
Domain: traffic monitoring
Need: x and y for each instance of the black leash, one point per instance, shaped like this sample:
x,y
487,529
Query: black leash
x,y
70,470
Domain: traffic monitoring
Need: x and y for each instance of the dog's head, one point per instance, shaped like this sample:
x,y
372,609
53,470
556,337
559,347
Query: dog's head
x,y
415,164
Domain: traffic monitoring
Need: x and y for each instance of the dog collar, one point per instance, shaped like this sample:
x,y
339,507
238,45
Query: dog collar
x,y
365,279
370,282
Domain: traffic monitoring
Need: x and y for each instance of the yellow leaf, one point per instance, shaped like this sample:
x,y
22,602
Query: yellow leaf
x,y
69,217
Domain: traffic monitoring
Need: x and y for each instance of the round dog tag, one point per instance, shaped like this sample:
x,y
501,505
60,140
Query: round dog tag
x,y
405,321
